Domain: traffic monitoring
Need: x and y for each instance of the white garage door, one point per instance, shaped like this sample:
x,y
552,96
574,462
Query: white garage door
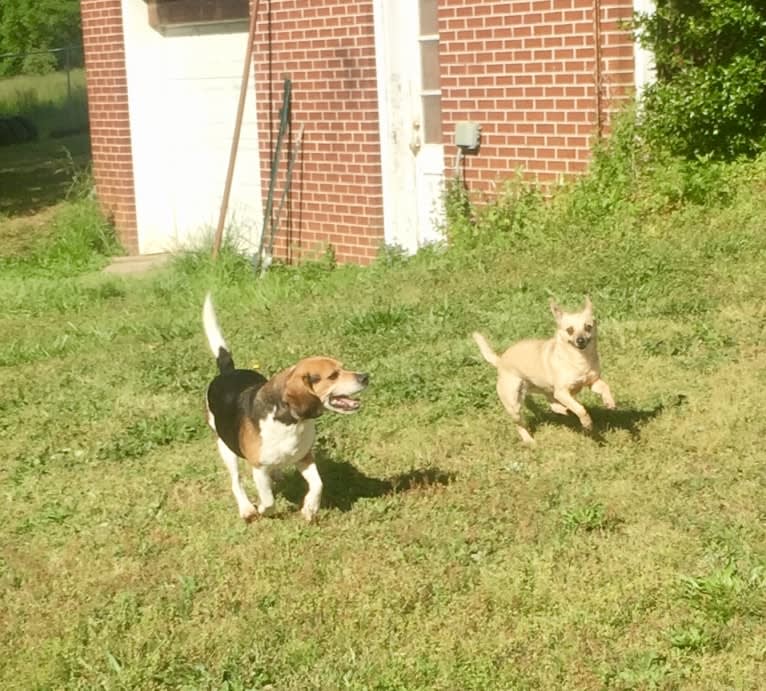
x,y
183,92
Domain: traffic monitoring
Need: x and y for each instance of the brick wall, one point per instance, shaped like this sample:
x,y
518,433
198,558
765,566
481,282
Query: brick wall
x,y
526,71
108,110
327,48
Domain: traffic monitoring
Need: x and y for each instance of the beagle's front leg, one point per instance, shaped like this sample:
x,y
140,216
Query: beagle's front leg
x,y
311,502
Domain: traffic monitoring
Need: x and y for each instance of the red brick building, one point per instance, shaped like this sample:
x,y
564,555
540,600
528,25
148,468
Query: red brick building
x,y
381,89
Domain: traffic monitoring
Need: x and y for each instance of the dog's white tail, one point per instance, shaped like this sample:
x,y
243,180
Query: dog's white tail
x,y
215,339
489,355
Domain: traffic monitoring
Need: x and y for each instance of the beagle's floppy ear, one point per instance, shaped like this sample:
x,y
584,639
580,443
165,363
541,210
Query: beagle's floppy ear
x,y
300,396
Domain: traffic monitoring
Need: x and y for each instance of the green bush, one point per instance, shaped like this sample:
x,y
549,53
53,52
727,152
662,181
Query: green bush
x,y
709,99
39,63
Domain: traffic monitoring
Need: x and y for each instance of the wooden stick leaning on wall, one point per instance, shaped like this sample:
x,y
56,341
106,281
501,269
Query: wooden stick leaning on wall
x,y
248,66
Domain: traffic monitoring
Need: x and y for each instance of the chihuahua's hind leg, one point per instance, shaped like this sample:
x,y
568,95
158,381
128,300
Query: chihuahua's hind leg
x,y
602,389
510,388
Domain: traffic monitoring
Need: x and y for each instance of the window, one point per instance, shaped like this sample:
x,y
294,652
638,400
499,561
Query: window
x,y
430,95
164,13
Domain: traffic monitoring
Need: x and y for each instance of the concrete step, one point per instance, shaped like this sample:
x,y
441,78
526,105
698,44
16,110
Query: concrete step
x,y
137,264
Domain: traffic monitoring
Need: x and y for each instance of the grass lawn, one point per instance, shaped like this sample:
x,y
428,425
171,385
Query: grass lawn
x,y
447,555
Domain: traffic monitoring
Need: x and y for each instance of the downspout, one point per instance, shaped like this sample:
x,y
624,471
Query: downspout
x,y
598,75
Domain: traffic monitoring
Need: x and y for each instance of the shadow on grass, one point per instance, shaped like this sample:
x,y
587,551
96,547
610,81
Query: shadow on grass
x,y
35,175
630,420
344,484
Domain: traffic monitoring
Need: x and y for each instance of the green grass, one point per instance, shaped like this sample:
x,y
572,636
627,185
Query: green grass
x,y
447,556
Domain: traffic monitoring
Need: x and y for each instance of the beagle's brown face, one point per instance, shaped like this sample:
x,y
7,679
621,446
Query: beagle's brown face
x,y
321,382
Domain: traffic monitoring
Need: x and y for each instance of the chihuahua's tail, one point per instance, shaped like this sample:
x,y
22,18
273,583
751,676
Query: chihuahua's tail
x,y
221,351
489,355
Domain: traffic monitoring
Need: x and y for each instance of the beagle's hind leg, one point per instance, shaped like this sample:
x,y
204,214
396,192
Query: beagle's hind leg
x,y
246,509
262,480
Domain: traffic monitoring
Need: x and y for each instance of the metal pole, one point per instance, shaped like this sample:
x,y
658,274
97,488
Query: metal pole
x,y
598,76
265,259
68,68
284,120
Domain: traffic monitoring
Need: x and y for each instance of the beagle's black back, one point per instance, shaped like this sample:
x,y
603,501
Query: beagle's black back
x,y
231,398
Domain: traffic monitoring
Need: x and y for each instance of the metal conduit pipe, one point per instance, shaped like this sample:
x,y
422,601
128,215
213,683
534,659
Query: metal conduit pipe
x,y
597,72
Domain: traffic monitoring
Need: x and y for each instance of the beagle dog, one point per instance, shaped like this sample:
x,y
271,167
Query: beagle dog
x,y
271,422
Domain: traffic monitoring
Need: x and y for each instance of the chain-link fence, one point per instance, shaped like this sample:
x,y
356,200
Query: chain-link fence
x,y
42,94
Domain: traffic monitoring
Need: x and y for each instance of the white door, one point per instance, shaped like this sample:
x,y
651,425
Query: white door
x,y
409,102
204,74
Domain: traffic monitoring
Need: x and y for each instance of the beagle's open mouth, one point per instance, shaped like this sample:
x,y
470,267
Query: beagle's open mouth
x,y
342,404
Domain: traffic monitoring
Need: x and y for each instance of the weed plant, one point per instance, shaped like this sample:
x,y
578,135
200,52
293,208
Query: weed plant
x,y
447,555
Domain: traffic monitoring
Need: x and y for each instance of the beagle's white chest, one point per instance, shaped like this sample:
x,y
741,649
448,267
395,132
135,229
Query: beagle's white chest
x,y
283,444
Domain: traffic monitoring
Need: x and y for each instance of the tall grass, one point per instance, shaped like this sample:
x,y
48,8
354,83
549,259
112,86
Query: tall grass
x,y
50,101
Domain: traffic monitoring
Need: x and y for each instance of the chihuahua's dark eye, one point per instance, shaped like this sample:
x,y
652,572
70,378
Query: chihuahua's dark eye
x,y
570,330
588,328
334,375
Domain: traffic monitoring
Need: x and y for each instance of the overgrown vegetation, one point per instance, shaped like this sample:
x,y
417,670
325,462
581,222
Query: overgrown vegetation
x,y
710,95
29,26
54,105
447,556
36,175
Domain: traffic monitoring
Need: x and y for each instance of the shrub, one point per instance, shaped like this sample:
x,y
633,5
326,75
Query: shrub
x,y
39,63
709,99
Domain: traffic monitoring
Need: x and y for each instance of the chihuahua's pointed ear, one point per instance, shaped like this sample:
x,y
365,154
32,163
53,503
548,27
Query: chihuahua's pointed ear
x,y
588,305
556,311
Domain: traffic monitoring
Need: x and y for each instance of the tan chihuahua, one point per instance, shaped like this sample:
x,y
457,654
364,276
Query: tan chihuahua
x,y
557,368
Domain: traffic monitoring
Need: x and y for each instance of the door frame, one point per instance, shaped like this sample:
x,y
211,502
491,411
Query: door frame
x,y
384,118
430,156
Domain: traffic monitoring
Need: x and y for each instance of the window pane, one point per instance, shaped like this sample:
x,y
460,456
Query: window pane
x,y
429,16
432,116
429,62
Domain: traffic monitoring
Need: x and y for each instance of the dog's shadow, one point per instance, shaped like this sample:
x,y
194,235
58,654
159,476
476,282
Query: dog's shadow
x,y
632,420
344,484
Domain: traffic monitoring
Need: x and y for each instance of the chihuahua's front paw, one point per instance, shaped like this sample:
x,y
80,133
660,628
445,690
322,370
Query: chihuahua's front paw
x,y
586,423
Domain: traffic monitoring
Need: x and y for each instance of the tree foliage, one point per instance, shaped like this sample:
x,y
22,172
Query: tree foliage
x,y
709,99
32,25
